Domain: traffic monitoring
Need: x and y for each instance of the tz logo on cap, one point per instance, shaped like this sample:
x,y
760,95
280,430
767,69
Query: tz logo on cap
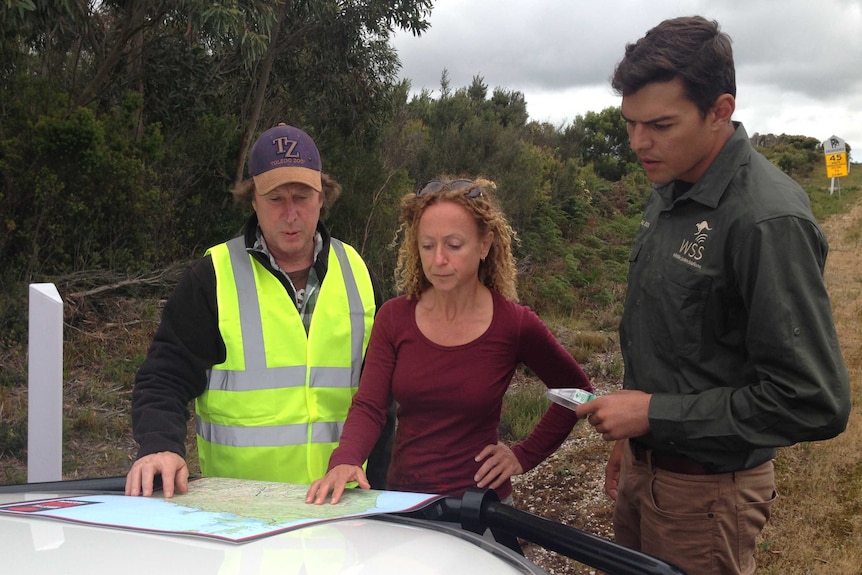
x,y
284,155
287,147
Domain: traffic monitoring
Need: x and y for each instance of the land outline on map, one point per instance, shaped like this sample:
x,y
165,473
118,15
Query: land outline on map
x,y
234,510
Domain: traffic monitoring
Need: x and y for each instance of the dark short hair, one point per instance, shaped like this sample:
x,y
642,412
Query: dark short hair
x,y
691,48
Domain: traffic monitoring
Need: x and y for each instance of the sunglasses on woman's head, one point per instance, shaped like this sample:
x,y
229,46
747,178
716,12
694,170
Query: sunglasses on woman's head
x,y
471,189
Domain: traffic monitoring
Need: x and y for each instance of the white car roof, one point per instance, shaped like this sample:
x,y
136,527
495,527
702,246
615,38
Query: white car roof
x,y
382,546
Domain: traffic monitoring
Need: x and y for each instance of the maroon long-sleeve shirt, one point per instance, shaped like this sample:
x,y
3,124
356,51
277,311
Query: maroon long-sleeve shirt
x,y
450,398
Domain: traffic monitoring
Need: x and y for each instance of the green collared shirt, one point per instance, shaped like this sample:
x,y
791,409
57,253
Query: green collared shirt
x,y
727,321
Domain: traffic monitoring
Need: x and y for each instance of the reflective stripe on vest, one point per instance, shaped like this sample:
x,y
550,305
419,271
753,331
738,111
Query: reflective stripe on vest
x,y
280,398
269,436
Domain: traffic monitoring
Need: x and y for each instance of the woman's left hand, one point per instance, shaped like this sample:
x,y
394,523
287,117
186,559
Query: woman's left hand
x,y
499,465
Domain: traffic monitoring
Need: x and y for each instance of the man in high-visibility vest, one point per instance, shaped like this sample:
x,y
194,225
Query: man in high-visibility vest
x,y
267,333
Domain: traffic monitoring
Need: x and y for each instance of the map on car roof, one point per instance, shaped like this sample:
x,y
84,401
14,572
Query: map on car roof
x,y
229,509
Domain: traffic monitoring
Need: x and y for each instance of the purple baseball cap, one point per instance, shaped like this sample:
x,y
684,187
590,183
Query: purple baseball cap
x,y
283,155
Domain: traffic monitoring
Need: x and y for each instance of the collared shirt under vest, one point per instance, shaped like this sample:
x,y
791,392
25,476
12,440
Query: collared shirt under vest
x,y
275,408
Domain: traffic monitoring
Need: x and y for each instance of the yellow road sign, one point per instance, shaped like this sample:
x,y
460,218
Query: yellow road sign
x,y
836,165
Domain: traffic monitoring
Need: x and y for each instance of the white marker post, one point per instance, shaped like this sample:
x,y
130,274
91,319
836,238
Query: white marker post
x,y
45,385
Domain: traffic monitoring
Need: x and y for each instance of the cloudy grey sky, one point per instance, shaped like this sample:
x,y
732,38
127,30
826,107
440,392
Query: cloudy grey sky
x,y
798,62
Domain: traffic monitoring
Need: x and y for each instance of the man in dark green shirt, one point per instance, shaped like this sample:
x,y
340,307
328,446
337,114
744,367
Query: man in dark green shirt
x,y
727,335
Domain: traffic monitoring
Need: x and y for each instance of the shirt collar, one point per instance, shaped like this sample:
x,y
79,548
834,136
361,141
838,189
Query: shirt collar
x,y
711,186
260,246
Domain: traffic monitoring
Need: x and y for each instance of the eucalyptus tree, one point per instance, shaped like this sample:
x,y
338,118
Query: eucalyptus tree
x,y
162,96
600,138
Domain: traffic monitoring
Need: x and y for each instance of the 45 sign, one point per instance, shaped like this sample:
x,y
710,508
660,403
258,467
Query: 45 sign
x,y
836,165
836,157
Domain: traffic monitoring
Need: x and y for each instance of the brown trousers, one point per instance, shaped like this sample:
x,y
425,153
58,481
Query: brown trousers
x,y
704,524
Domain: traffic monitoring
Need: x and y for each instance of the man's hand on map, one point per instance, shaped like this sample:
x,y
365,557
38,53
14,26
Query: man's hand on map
x,y
499,465
336,480
171,466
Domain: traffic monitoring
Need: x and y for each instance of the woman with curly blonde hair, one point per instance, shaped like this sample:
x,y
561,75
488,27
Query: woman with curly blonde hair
x,y
446,351
496,271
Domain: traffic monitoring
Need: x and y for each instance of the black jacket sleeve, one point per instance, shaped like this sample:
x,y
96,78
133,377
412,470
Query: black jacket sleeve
x,y
186,344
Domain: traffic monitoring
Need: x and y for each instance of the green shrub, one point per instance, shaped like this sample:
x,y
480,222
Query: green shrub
x,y
523,407
13,432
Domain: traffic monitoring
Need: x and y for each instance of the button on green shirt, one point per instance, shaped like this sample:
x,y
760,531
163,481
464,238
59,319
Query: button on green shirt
x,y
727,321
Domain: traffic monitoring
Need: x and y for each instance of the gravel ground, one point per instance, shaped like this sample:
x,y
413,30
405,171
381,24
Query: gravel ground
x,y
568,488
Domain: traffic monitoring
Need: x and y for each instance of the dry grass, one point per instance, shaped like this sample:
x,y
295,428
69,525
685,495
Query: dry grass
x,y
817,523
100,358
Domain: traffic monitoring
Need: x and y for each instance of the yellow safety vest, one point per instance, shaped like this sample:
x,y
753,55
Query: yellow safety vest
x,y
275,408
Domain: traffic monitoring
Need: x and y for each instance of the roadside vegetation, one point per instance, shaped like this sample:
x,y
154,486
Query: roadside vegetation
x,y
123,126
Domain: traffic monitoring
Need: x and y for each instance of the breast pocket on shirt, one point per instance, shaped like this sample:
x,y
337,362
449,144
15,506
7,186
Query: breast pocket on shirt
x,y
682,301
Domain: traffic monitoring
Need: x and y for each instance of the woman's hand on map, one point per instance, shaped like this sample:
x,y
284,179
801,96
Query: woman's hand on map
x,y
171,466
335,480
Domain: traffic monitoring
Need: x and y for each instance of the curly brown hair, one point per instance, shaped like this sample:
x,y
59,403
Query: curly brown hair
x,y
244,191
497,271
